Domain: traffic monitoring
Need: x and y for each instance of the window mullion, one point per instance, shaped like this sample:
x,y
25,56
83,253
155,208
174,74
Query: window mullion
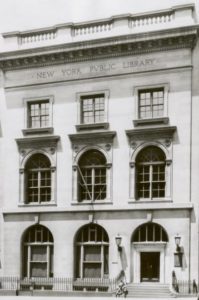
x,y
93,183
39,186
40,115
48,261
151,102
102,261
29,261
93,106
150,180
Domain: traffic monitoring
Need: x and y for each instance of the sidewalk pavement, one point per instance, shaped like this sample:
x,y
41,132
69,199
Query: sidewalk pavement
x,y
82,298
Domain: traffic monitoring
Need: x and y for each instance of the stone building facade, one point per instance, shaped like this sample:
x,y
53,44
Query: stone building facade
x,y
99,148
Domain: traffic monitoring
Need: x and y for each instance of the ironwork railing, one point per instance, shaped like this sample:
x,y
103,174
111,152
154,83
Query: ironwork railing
x,y
187,287
11,283
184,287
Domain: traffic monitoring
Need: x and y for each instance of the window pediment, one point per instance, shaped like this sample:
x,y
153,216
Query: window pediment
x,y
166,132
92,137
48,143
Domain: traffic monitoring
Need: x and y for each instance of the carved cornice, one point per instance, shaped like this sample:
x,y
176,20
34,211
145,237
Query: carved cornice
x,y
92,137
151,133
38,142
102,48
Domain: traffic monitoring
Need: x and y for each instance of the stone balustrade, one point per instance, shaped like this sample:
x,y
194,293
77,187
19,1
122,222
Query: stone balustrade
x,y
92,29
37,37
152,20
118,25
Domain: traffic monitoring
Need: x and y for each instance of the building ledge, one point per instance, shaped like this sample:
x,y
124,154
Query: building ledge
x,y
87,202
140,133
44,204
155,121
80,127
87,208
105,136
38,141
30,131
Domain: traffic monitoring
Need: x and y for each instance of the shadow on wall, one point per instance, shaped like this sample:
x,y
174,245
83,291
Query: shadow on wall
x,y
123,258
184,262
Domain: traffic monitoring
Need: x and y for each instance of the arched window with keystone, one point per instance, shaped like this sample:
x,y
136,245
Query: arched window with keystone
x,y
38,179
150,173
92,176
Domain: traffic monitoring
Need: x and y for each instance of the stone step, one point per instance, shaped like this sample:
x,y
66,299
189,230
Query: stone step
x,y
148,290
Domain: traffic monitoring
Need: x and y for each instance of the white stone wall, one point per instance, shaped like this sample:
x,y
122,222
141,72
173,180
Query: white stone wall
x,y
121,112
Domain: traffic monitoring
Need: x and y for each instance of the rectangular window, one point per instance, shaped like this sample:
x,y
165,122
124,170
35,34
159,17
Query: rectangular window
x,y
92,109
38,114
151,103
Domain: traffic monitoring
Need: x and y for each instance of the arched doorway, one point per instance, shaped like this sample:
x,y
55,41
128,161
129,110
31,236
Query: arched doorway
x,y
92,252
148,242
37,253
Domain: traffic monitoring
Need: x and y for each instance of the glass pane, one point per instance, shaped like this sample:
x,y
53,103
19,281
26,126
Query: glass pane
x,y
92,253
39,115
38,269
92,270
38,253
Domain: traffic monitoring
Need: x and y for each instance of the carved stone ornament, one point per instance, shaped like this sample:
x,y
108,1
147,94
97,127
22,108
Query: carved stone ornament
x,y
132,164
167,142
163,132
133,144
74,168
108,165
49,143
23,153
94,138
75,148
52,150
168,162
112,47
53,169
108,147
21,170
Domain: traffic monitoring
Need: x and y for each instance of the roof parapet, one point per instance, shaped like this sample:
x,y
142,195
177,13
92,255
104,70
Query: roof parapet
x,y
177,16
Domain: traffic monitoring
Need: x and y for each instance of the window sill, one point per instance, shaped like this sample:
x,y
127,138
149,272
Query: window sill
x,y
37,130
37,204
87,202
142,122
156,200
104,125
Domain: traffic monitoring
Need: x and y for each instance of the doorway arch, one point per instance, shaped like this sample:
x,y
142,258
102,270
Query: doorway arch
x,y
148,242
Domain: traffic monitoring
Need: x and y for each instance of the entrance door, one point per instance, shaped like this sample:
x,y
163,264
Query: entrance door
x,y
150,266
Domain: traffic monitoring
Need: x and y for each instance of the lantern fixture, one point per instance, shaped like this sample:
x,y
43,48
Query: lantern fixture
x,y
177,242
118,240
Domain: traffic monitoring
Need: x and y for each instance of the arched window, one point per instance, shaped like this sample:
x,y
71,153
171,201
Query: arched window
x,y
150,173
91,248
37,256
38,179
150,232
92,176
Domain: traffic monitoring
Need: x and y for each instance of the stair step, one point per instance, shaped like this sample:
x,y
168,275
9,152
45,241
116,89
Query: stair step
x,y
149,290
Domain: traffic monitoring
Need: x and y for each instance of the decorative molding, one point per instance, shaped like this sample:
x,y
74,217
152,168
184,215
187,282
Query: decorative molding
x,y
30,131
154,121
149,216
92,137
37,142
151,133
130,44
81,127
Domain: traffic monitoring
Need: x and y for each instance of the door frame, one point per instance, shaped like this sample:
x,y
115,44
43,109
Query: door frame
x,y
144,256
139,247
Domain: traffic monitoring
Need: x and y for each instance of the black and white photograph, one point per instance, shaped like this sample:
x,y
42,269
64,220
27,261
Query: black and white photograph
x,y
99,149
